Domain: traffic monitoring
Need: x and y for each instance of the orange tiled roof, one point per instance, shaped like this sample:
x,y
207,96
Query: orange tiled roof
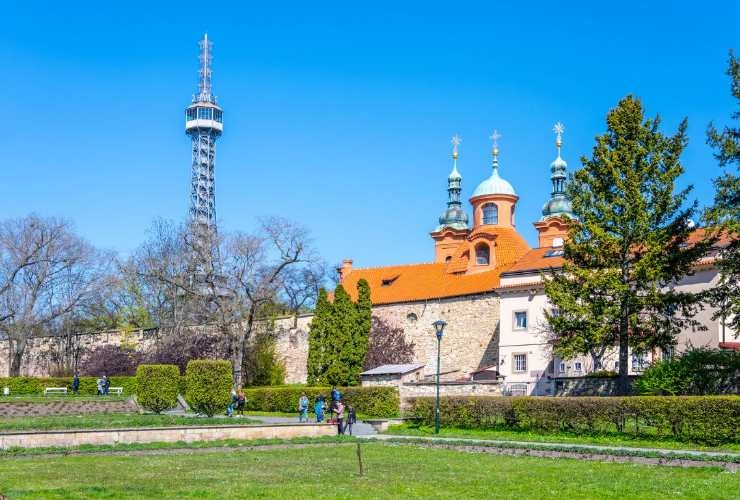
x,y
535,260
510,246
418,282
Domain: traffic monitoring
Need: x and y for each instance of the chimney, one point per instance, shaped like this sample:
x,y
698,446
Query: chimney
x,y
344,269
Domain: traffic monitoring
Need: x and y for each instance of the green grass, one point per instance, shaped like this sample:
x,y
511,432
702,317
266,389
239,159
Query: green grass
x,y
331,471
561,437
112,420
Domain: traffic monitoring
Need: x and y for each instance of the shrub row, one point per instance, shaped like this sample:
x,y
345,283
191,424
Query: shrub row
x,y
88,385
373,401
704,419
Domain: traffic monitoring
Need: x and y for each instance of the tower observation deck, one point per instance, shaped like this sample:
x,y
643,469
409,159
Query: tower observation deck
x,y
204,124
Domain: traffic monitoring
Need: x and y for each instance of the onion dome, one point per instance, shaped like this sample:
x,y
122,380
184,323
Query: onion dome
x,y
454,217
494,184
559,204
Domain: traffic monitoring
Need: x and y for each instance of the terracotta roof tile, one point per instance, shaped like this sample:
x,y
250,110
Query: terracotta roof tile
x,y
535,260
419,282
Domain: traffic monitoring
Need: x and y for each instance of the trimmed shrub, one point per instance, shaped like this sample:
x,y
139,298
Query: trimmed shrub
x,y
36,385
157,386
208,385
703,419
697,372
372,401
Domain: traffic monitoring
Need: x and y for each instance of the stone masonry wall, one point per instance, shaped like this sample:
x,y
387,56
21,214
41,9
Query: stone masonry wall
x,y
291,347
470,338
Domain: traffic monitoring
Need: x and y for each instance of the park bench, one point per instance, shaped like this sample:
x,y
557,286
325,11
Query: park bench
x,y
55,390
116,390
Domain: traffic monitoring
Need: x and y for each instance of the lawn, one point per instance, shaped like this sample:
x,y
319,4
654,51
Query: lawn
x,y
331,471
112,420
561,437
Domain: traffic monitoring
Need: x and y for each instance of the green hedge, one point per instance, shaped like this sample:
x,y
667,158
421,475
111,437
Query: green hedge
x,y
372,401
209,385
88,387
157,386
35,385
703,419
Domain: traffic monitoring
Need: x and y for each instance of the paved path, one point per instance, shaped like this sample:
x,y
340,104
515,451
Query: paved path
x,y
359,429
593,447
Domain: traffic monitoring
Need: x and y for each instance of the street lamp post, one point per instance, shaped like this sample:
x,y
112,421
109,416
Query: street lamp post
x,y
439,327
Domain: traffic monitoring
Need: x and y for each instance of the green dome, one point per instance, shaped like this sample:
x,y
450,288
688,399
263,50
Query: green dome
x,y
494,185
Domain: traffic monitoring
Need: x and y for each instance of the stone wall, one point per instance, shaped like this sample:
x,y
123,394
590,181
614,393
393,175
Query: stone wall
x,y
70,407
470,338
429,389
291,347
586,386
75,438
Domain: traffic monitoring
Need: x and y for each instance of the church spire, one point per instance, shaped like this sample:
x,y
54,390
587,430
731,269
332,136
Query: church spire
x,y
559,203
454,217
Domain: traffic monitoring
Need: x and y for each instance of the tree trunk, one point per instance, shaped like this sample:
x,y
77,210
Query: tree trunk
x,y
623,382
15,353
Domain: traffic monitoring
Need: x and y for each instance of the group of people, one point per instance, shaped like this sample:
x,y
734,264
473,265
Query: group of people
x,y
237,404
345,417
103,385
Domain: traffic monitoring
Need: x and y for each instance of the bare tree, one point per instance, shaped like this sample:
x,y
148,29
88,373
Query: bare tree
x,y
47,271
205,277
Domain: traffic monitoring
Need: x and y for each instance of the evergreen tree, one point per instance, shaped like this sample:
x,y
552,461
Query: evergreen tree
x,y
724,215
628,246
318,336
340,352
361,335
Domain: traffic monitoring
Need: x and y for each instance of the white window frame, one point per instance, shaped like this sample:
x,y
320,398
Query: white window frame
x,y
562,368
526,321
514,367
578,366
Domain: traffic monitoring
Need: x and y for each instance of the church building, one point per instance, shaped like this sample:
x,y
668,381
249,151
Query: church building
x,y
486,283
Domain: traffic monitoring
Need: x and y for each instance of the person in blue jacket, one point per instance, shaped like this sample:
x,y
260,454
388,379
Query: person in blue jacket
x,y
318,408
335,396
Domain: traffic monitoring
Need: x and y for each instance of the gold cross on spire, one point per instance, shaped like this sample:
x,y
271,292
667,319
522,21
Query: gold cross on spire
x,y
455,143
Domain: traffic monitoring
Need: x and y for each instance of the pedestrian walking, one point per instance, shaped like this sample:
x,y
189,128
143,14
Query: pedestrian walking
x,y
351,418
106,385
339,410
241,402
335,396
232,404
303,408
76,384
318,408
99,385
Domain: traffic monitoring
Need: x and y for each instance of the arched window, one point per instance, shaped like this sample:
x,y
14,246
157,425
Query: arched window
x,y
448,258
482,254
490,213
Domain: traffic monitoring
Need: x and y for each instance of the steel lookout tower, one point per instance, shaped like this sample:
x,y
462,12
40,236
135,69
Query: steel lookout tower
x,y
204,124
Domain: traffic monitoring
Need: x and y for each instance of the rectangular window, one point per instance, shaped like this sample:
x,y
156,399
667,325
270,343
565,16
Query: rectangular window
x,y
562,367
518,389
520,320
520,363
579,366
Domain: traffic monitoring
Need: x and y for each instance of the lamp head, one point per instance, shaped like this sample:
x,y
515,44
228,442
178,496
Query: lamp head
x,y
439,327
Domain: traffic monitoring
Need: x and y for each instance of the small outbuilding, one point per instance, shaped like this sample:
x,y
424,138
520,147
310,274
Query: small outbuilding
x,y
392,375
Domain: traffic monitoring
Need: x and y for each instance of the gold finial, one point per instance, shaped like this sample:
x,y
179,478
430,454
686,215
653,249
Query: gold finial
x,y
559,128
455,143
495,136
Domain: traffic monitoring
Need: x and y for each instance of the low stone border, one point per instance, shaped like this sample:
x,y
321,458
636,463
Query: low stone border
x,y
601,457
79,437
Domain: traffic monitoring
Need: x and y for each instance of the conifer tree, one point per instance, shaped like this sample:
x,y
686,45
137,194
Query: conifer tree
x,y
628,246
361,335
318,344
724,215
340,352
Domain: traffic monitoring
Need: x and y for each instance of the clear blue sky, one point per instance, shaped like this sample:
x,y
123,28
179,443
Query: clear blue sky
x,y
338,117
